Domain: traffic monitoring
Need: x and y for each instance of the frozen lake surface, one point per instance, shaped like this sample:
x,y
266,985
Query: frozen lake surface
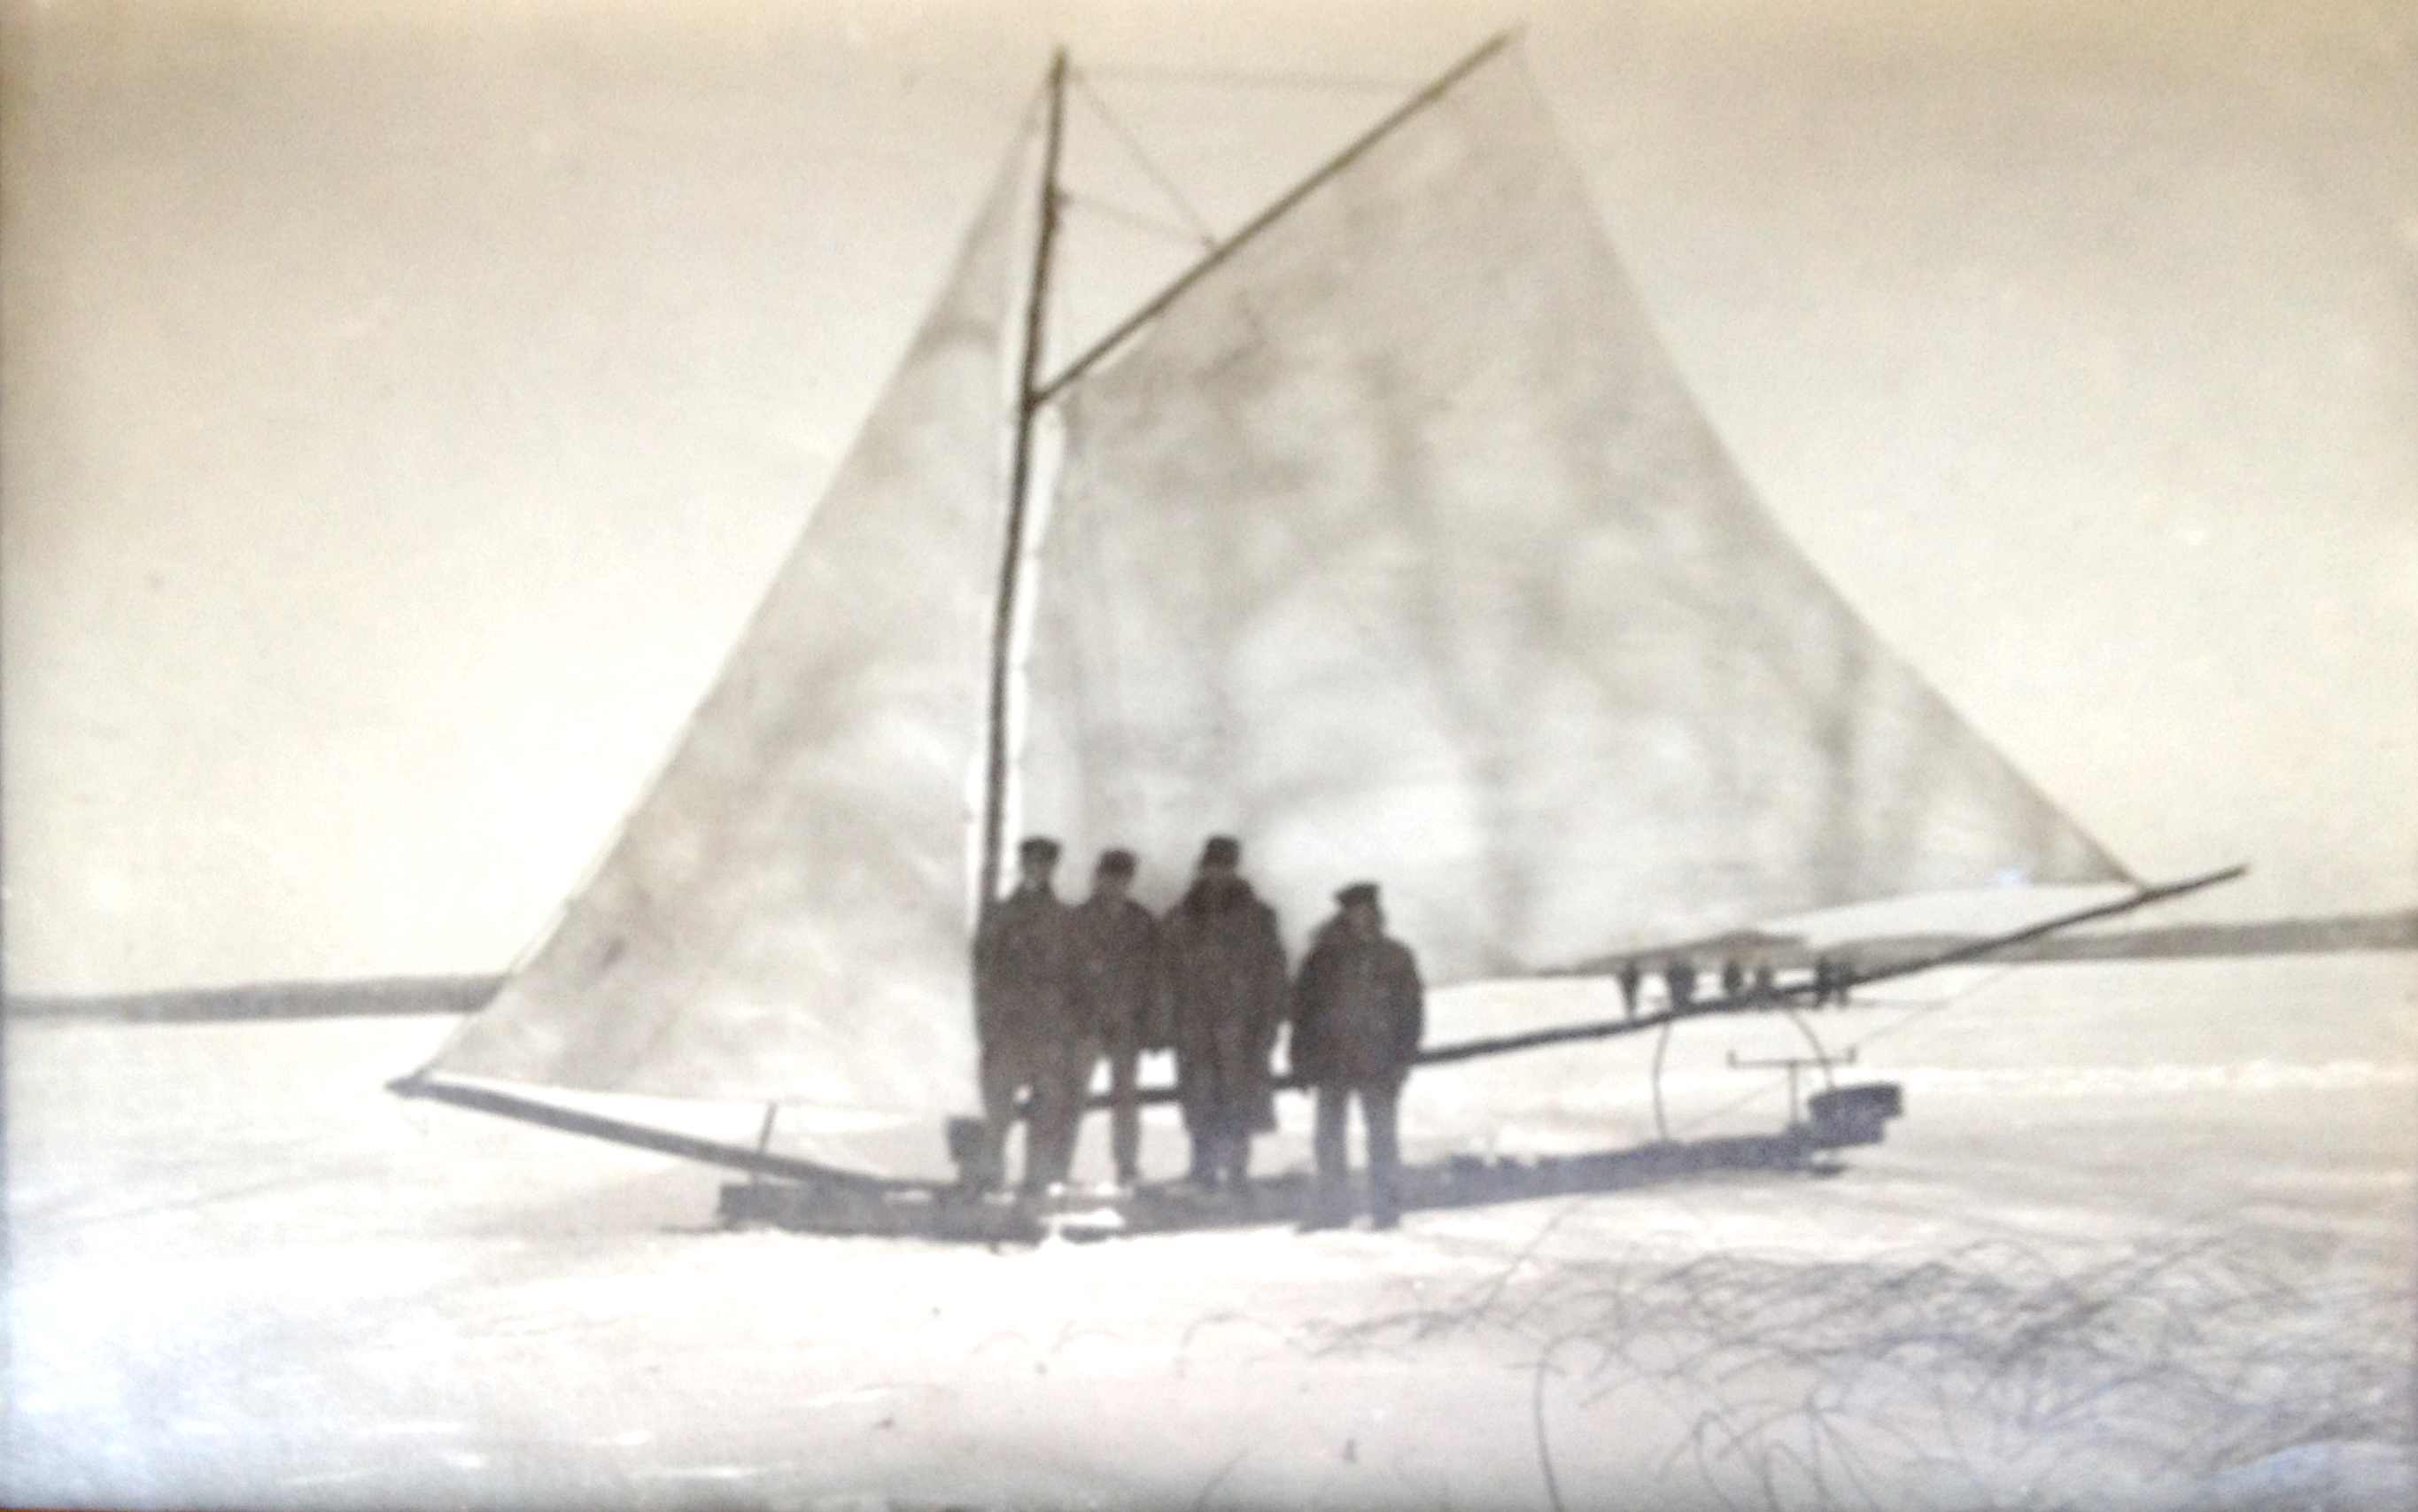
x,y
2145,1237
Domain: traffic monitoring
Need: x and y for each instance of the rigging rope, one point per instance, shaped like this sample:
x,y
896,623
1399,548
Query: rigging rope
x,y
1114,212
1951,1000
1233,77
1661,1126
1132,145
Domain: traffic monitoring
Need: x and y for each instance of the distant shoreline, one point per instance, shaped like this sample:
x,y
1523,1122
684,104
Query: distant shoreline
x,y
372,997
377,996
2264,937
2338,933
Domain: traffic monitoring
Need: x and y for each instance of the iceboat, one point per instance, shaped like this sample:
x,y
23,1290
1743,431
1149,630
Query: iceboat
x,y
1384,535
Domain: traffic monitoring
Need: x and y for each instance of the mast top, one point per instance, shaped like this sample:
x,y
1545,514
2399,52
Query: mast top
x,y
1310,183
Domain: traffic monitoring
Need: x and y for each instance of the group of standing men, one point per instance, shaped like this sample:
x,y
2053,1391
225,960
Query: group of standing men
x,y
1831,984
1060,987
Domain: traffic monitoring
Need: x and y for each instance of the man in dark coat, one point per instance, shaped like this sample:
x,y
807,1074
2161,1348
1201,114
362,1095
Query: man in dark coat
x,y
1125,1001
1024,1002
1680,977
1227,967
1632,978
1357,1013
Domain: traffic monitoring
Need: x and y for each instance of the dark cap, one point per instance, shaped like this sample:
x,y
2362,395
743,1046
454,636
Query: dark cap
x,y
1222,849
1357,892
1116,863
1038,848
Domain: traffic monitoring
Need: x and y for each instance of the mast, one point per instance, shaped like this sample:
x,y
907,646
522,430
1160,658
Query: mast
x,y
1028,405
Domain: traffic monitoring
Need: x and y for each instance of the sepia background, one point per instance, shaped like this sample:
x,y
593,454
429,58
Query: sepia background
x,y
402,406
407,404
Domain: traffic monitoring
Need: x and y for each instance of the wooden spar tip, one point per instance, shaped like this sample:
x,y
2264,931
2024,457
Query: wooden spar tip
x,y
2192,884
639,1135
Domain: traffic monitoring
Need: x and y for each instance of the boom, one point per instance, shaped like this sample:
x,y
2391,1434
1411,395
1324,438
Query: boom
x,y
1776,996
741,1157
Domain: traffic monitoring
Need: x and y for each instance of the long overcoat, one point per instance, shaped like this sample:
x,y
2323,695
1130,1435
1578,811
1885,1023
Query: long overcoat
x,y
1126,996
1024,975
1359,1010
1228,966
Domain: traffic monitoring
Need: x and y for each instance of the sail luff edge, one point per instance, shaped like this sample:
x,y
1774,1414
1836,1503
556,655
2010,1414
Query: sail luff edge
x,y
617,835
1019,482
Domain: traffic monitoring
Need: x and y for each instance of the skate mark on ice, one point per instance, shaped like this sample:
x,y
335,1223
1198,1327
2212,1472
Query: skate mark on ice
x,y
415,1427
712,1473
852,1394
330,1477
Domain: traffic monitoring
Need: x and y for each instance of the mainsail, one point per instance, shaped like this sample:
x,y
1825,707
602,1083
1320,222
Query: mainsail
x,y
1397,547
785,914
1393,544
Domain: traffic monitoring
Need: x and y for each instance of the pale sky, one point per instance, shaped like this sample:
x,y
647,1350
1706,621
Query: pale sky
x,y
403,408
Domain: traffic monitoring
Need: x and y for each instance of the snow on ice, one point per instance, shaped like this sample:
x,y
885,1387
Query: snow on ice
x,y
2144,1239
